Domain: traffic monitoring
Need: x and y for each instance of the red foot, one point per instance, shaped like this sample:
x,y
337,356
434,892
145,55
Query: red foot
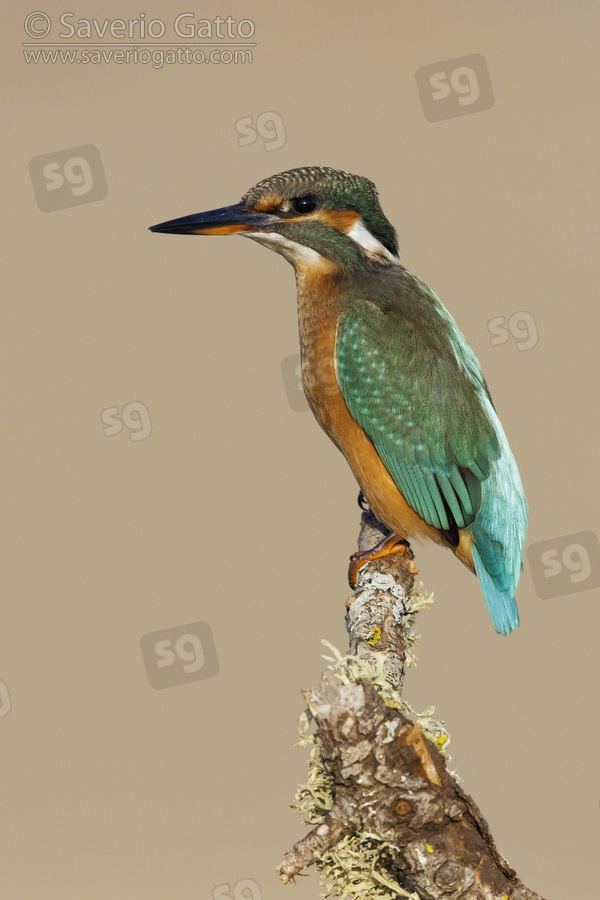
x,y
393,543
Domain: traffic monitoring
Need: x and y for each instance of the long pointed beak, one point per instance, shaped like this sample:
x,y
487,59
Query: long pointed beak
x,y
234,219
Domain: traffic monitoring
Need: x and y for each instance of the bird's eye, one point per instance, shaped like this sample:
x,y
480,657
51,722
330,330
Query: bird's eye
x,y
304,204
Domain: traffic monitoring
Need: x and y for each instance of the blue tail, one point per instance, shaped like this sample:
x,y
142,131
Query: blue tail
x,y
501,605
499,535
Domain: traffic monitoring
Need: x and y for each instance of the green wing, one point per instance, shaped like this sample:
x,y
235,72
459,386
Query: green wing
x,y
414,385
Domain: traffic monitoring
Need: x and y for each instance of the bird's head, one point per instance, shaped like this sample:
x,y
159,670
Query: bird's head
x,y
314,215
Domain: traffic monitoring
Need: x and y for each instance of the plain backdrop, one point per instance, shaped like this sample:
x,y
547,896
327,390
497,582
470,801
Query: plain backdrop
x,y
235,510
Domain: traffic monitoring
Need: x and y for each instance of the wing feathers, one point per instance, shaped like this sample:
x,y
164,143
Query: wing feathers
x,y
415,386
422,413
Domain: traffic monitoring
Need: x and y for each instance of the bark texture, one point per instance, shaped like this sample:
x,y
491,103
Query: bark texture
x,y
389,782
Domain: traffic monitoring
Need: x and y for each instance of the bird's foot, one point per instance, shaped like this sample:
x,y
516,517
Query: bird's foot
x,y
362,502
393,543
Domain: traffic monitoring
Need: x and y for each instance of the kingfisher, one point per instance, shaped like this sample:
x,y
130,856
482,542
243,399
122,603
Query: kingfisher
x,y
389,376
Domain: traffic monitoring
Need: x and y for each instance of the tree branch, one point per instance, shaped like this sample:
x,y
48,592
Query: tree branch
x,y
393,821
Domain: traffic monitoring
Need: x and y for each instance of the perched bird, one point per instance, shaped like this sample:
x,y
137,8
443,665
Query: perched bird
x,y
389,376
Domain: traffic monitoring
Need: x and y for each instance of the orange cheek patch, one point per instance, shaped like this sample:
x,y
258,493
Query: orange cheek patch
x,y
340,219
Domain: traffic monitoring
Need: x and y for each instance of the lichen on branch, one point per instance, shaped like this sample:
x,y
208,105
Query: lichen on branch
x,y
390,819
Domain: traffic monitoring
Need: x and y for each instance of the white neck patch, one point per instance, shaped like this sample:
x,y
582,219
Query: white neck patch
x,y
295,253
361,235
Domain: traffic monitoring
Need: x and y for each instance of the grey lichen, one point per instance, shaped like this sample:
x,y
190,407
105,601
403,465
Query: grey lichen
x,y
355,867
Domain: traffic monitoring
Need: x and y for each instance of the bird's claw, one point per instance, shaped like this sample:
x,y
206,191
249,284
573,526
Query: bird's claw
x,y
393,543
362,502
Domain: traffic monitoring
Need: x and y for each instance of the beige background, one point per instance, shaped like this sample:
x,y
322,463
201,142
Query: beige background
x,y
236,510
